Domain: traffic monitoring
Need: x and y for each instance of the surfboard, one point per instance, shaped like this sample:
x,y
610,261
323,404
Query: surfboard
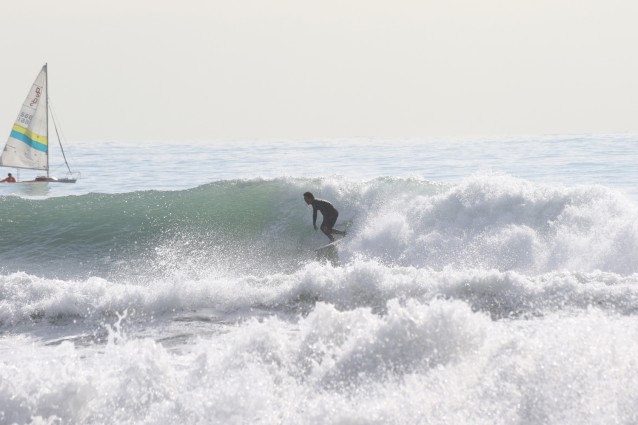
x,y
331,244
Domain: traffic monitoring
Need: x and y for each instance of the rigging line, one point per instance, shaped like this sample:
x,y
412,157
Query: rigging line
x,y
55,126
54,115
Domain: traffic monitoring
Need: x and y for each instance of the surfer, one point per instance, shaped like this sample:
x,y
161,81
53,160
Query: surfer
x,y
8,179
328,212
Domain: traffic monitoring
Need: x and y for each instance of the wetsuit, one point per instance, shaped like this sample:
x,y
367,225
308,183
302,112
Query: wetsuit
x,y
328,212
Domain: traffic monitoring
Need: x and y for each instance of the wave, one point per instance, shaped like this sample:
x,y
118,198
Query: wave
x,y
360,284
500,222
262,226
436,360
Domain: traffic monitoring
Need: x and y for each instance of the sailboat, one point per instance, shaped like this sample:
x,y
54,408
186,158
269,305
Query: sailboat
x,y
28,144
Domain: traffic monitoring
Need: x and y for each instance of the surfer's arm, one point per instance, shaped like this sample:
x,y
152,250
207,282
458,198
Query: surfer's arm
x,y
314,217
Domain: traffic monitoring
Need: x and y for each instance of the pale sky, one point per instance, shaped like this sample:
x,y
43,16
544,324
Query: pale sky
x,y
209,70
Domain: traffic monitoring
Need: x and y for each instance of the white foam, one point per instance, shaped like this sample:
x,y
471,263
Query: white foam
x,y
498,221
437,362
362,283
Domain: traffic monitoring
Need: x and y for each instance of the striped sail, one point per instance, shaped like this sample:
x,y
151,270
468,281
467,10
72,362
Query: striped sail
x,y
28,145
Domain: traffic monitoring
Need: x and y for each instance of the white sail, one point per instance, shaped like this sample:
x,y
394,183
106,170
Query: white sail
x,y
28,145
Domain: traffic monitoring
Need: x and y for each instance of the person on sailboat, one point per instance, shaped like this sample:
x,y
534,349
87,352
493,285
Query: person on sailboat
x,y
328,212
8,179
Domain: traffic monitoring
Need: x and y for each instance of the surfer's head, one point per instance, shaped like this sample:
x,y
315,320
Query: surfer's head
x,y
308,197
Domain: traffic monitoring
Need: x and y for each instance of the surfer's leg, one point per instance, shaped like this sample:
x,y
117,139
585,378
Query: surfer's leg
x,y
328,232
327,229
330,222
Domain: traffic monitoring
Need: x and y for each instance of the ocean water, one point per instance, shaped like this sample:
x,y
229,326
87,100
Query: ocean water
x,y
481,282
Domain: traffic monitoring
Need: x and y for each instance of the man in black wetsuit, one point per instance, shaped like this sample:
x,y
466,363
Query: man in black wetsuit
x,y
328,212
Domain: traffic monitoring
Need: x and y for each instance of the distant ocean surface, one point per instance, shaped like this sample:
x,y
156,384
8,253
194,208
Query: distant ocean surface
x,y
481,282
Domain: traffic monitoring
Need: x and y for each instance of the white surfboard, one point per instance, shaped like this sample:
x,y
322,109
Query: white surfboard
x,y
330,245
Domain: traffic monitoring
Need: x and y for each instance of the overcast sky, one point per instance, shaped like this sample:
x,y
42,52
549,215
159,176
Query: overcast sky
x,y
209,70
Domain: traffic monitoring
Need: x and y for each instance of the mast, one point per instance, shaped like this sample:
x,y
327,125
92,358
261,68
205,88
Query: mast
x,y
46,103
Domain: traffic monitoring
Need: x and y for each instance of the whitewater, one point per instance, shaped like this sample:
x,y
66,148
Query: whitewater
x,y
481,282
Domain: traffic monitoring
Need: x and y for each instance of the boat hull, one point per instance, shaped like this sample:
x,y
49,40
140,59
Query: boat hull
x,y
53,180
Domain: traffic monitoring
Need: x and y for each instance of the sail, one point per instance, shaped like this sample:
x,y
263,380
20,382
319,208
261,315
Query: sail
x,y
28,144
